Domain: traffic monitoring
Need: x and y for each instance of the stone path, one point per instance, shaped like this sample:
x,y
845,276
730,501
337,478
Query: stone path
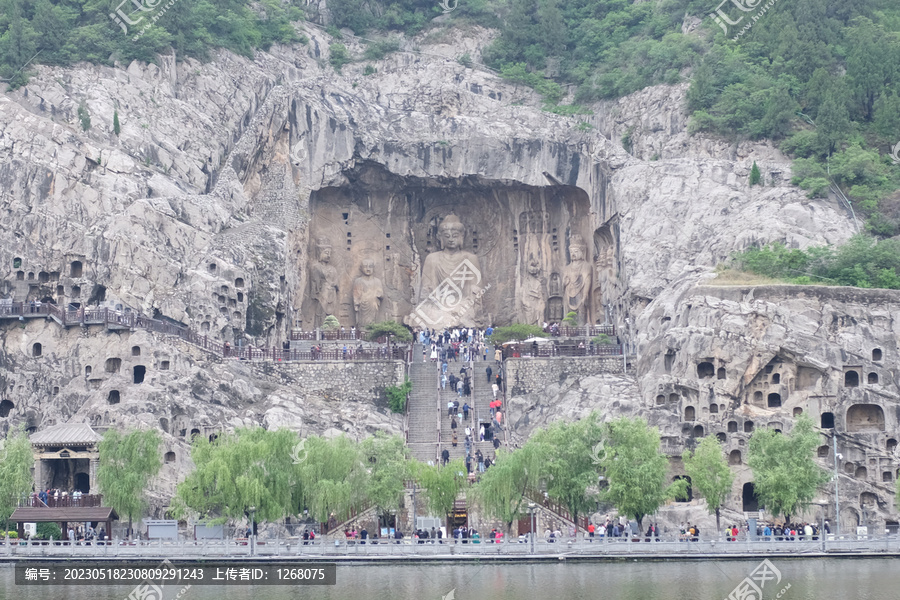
x,y
479,413
422,415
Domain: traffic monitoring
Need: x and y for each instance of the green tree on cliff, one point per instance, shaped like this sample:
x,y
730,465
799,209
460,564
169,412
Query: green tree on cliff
x,y
398,332
516,331
755,175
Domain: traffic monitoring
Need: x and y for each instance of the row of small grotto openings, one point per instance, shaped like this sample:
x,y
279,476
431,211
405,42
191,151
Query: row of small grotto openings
x,y
861,472
852,378
37,349
707,370
196,432
76,269
861,418
749,499
114,365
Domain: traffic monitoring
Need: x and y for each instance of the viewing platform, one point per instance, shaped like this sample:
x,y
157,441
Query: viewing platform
x,y
67,501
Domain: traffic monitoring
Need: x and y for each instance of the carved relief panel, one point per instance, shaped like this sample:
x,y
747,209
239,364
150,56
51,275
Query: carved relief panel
x,y
381,245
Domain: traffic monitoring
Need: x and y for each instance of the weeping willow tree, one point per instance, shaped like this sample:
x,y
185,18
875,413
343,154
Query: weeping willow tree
x,y
571,471
16,461
502,491
442,484
333,478
635,469
128,461
389,466
250,467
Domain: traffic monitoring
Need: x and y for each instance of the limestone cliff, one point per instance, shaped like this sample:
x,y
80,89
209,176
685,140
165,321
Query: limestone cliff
x,y
229,180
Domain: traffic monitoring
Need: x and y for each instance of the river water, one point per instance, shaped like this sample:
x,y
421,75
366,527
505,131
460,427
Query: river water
x,y
801,579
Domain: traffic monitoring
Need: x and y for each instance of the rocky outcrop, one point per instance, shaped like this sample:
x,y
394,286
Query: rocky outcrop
x,y
724,361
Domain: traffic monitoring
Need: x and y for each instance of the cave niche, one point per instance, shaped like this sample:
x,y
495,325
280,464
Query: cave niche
x,y
865,418
525,241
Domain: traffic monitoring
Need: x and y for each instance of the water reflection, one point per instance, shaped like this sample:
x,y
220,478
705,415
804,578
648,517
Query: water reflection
x,y
809,579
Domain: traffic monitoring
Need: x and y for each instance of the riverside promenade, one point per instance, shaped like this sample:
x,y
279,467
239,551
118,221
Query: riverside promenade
x,y
292,549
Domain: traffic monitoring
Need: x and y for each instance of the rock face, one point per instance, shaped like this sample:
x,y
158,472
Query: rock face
x,y
246,198
725,361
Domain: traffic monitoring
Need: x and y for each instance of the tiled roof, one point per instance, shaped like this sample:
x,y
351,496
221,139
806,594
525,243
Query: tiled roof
x,y
70,434
57,515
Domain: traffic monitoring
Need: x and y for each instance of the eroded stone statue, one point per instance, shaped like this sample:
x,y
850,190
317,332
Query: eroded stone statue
x,y
324,282
451,282
606,263
532,297
577,279
367,294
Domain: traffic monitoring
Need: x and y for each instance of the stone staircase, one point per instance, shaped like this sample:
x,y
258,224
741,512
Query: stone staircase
x,y
422,416
479,413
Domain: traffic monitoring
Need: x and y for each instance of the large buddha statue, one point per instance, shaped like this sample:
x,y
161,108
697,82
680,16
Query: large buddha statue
x,y
451,282
577,280
367,294
323,282
532,297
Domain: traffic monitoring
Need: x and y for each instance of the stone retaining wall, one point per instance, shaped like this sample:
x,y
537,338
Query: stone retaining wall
x,y
527,375
357,381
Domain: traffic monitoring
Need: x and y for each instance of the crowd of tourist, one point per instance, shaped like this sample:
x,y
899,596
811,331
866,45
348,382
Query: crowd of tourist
x,y
782,532
56,497
85,534
466,344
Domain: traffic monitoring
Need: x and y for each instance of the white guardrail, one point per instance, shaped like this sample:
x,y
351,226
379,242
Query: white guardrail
x,y
293,547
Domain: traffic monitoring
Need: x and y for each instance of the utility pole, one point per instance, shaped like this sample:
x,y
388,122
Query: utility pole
x,y
415,528
531,508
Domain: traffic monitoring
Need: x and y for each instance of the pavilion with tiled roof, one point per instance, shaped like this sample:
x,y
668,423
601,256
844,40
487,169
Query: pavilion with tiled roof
x,y
76,444
65,459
